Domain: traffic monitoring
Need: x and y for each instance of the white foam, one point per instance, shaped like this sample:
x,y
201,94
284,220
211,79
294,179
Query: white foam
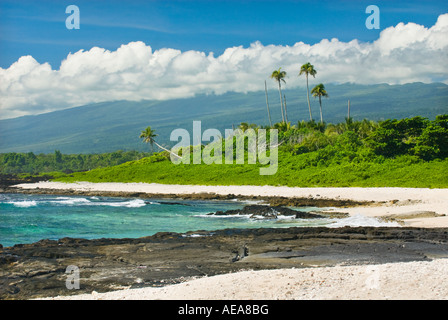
x,y
24,204
282,217
248,201
86,202
71,201
194,235
225,216
136,203
359,220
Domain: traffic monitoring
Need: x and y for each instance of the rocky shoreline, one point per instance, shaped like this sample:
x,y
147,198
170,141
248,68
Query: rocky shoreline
x,y
267,212
39,269
268,200
36,270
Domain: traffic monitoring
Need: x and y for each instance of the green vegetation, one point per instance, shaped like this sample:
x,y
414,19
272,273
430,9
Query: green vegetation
x,y
110,126
411,152
57,162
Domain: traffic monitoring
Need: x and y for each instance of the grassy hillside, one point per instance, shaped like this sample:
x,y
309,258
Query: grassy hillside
x,y
411,152
110,126
294,171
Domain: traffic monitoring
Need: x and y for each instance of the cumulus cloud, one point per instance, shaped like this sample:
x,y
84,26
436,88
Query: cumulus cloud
x,y
404,53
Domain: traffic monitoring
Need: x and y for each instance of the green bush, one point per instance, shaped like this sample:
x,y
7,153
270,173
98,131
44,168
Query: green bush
x,y
392,153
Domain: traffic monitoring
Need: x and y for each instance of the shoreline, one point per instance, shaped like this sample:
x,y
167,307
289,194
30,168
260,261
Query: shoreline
x,y
408,262
167,263
413,207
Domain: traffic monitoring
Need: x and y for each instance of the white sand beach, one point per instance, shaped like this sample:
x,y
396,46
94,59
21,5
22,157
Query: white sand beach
x,y
390,281
417,207
405,280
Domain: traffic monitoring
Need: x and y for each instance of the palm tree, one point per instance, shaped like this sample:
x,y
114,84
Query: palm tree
x,y
319,91
245,126
279,76
148,136
267,102
283,126
308,69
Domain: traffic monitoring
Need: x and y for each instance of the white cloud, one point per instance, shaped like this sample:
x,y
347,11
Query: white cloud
x,y
404,53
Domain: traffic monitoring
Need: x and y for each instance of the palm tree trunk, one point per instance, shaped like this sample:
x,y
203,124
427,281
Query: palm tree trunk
x,y
320,103
348,109
167,150
308,97
267,103
286,113
281,100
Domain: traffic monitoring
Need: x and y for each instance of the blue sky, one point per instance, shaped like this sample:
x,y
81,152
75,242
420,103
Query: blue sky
x,y
37,28
134,50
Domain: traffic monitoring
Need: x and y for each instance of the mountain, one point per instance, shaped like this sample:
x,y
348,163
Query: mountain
x,y
116,125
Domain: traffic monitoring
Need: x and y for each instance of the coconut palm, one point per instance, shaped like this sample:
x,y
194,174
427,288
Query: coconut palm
x,y
283,126
279,76
308,69
148,136
319,91
245,126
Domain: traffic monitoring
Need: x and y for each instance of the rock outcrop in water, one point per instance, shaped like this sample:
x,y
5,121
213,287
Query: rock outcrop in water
x,y
268,212
39,269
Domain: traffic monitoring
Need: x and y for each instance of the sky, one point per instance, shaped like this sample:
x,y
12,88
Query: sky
x,y
172,49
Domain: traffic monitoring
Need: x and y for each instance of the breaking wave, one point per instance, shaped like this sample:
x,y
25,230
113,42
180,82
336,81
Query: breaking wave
x,y
128,204
23,204
67,201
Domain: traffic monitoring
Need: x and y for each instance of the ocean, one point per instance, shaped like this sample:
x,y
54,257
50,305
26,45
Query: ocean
x,y
27,218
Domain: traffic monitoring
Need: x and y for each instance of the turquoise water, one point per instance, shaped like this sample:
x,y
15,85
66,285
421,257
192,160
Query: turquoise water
x,y
30,218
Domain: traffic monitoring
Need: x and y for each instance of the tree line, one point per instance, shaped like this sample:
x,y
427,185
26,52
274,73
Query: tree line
x,y
14,162
418,136
367,140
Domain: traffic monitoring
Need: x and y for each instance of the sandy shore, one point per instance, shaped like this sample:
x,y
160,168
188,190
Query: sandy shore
x,y
416,207
410,280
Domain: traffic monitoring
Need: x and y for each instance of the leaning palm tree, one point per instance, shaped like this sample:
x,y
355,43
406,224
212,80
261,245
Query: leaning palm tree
x,y
319,91
279,76
308,69
148,136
